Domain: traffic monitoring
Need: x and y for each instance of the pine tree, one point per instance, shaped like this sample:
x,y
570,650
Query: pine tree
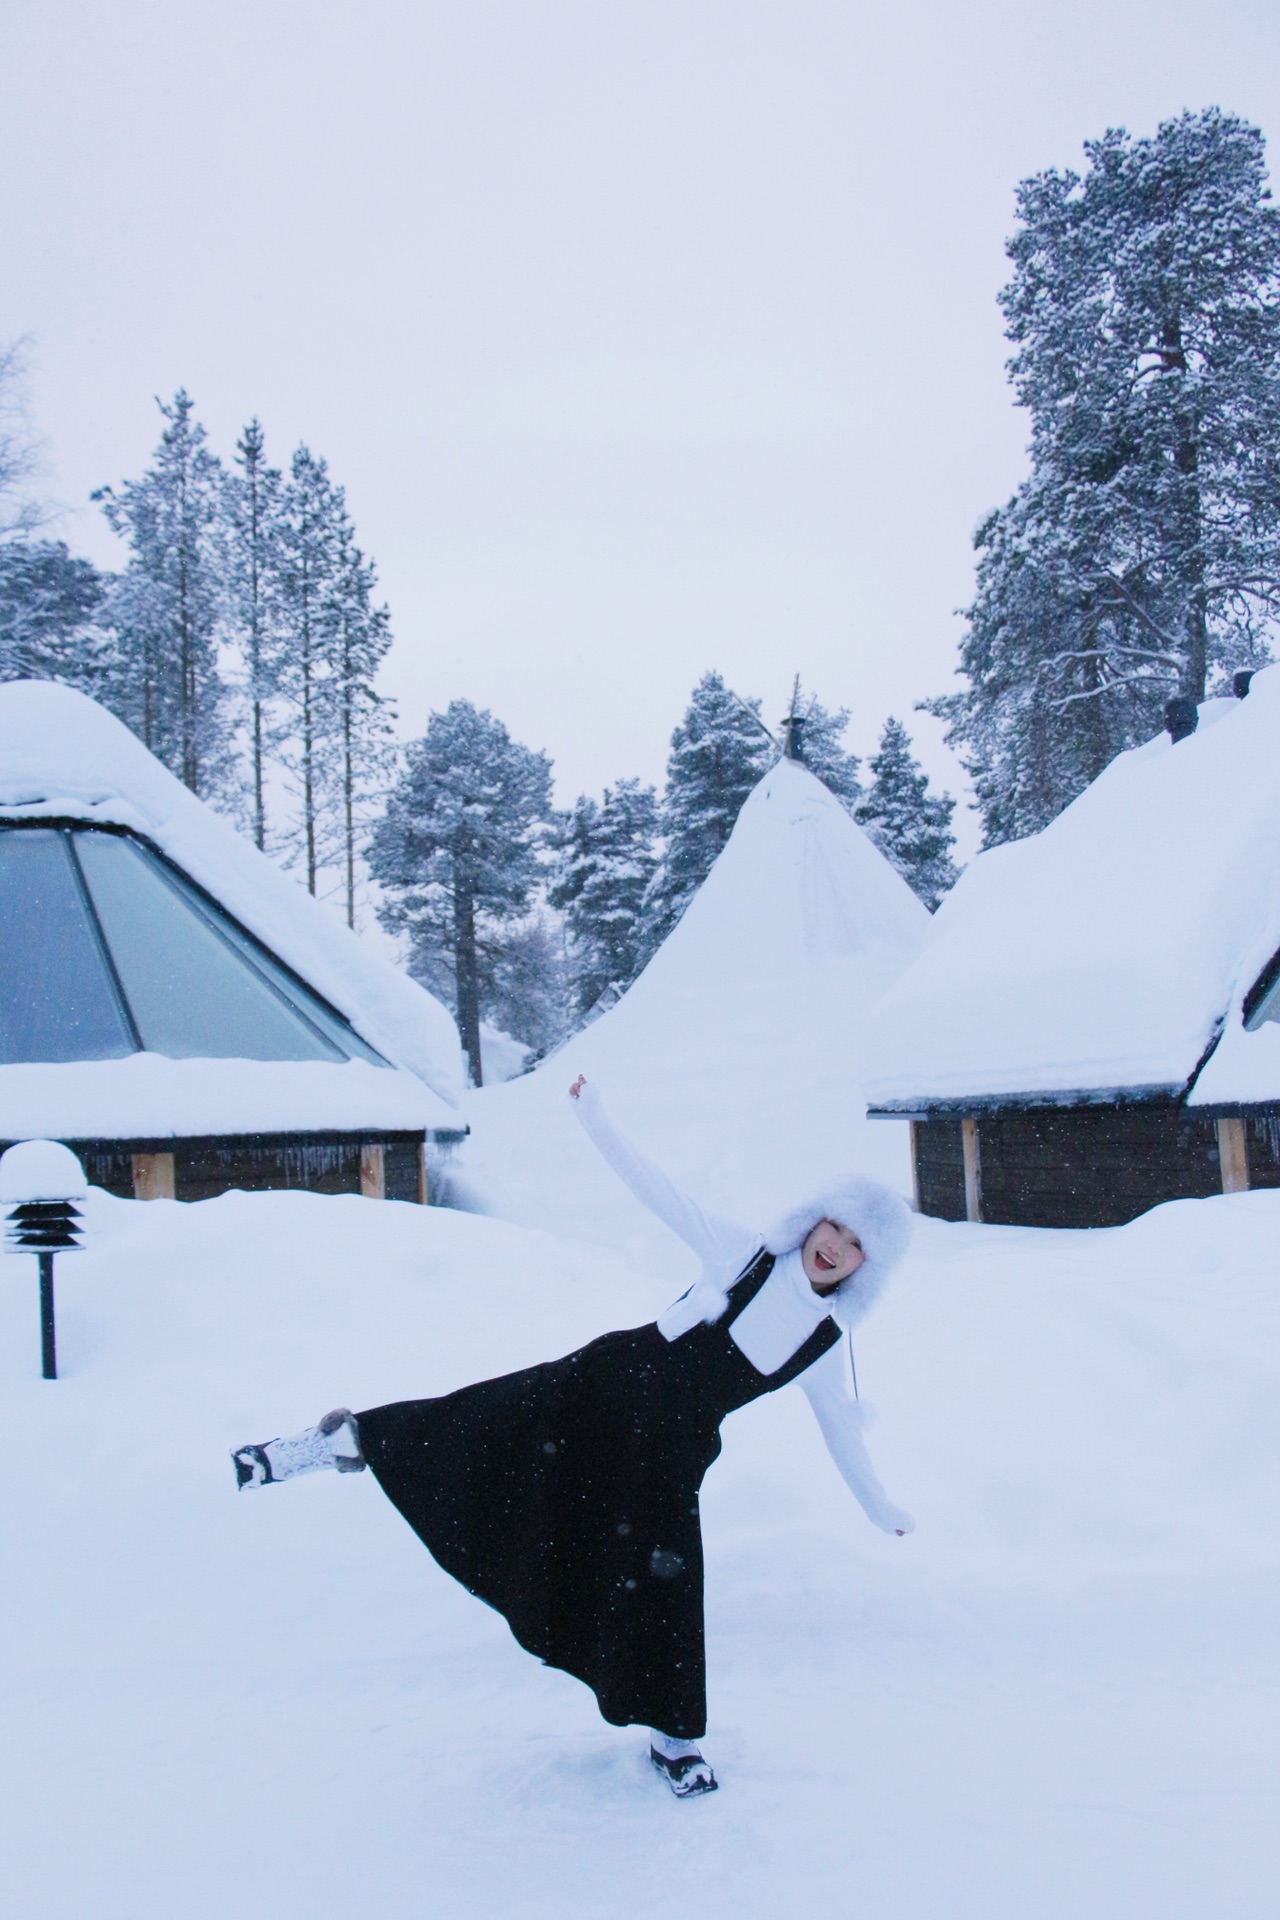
x,y
607,861
253,503
457,849
310,547
525,985
166,607
49,598
20,514
911,826
719,752
814,736
337,747
1143,552
361,715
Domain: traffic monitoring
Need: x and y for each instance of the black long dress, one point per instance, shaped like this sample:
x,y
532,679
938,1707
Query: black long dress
x,y
566,1496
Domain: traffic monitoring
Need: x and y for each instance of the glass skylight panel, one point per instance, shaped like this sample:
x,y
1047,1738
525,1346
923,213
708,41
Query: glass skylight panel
x,y
57,998
196,987
1268,1008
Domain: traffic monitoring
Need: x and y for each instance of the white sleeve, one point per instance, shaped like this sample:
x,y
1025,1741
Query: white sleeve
x,y
828,1385
720,1244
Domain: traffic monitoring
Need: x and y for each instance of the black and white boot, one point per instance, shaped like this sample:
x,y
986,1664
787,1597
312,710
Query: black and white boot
x,y
681,1766
335,1442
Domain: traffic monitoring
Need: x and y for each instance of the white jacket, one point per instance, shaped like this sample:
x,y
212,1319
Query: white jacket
x,y
772,1326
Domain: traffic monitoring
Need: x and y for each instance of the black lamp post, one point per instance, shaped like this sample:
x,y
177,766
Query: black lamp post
x,y
39,1182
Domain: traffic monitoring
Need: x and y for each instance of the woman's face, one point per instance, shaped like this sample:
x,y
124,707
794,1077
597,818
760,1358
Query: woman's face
x,y
830,1254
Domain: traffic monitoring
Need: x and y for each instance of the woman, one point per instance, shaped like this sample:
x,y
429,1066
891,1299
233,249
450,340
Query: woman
x,y
566,1495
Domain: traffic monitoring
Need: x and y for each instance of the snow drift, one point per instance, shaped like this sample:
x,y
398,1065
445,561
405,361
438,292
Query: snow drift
x,y
1057,1698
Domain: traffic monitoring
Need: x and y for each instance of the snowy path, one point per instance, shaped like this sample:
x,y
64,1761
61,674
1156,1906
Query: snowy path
x,y
1057,1699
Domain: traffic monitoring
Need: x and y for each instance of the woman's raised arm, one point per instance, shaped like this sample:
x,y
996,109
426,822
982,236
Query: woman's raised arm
x,y
718,1243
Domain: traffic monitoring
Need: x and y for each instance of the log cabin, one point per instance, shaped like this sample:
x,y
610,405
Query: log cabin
x,y
1094,1026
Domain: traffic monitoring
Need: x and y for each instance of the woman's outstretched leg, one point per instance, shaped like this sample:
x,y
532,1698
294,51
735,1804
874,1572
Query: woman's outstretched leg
x,y
334,1442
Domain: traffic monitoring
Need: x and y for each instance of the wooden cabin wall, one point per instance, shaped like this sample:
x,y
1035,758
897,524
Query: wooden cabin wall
x,y
1262,1140
202,1169
1093,1166
205,1170
939,1166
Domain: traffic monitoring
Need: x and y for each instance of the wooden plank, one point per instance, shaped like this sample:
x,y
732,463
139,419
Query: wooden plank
x,y
373,1171
1233,1153
913,1127
972,1168
155,1176
424,1177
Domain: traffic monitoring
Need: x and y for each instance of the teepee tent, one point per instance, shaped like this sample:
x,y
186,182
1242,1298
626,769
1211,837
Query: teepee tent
x,y
735,1057
175,1007
1093,1028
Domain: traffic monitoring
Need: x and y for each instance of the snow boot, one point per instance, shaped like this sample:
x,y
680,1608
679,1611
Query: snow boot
x,y
335,1442
689,1774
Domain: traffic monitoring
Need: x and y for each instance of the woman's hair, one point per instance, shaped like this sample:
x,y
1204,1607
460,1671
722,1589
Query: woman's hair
x,y
882,1221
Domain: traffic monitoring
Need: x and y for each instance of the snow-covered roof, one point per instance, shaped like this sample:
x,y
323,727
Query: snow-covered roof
x,y
64,757
1104,955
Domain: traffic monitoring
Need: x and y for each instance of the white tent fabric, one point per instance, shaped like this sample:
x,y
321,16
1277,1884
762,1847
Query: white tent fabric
x,y
64,757
1104,954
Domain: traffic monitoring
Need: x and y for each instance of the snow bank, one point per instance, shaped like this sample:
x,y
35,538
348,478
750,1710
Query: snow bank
x,y
147,1096
1058,1698
64,757
1104,952
735,1057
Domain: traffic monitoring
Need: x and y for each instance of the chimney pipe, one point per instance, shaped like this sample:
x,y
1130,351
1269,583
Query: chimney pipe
x,y
1240,682
1180,717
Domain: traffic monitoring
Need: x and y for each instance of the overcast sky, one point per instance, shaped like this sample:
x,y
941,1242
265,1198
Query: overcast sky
x,y
645,335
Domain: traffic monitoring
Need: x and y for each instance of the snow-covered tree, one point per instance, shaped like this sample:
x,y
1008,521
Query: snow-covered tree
x,y
361,715
814,735
911,826
526,987
20,513
310,538
1142,555
253,502
457,849
336,744
166,606
49,598
719,752
607,860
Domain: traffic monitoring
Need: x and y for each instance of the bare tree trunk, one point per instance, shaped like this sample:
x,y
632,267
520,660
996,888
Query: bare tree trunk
x,y
466,977
255,664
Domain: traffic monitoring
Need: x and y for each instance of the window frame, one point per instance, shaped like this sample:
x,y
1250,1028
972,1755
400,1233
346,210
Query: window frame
x,y
246,946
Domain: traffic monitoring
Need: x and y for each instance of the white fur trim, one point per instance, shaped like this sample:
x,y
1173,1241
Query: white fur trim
x,y
882,1221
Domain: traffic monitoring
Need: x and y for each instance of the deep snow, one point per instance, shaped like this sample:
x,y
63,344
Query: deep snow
x,y
1057,1699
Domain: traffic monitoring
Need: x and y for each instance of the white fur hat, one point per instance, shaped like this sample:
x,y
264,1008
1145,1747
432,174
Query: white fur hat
x,y
882,1221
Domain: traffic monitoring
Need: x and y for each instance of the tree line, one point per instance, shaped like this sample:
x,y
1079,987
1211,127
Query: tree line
x,y
538,920
1139,561
241,642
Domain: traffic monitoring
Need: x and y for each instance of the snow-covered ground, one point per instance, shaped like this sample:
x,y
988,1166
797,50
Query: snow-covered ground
x,y
1057,1699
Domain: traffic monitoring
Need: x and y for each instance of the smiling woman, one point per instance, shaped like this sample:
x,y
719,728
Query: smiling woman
x,y
566,1496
